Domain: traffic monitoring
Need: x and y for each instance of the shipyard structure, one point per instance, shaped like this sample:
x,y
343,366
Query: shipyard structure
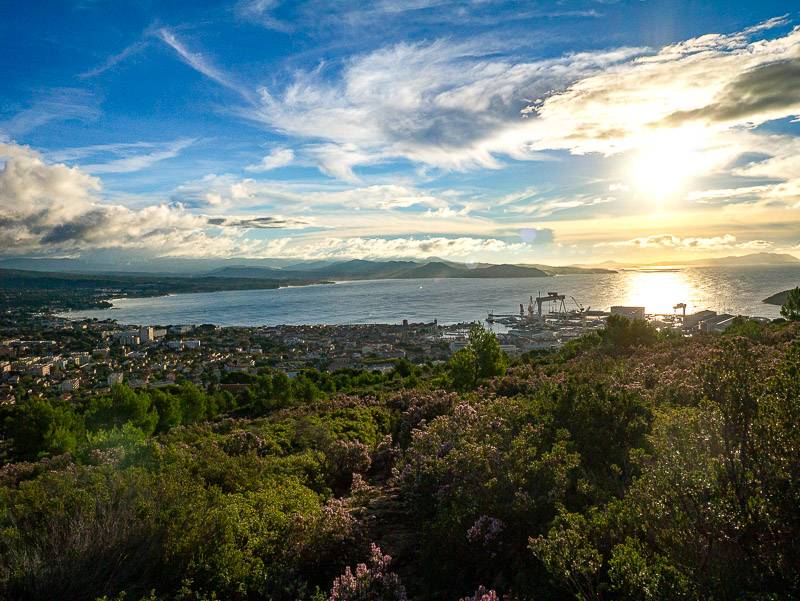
x,y
550,320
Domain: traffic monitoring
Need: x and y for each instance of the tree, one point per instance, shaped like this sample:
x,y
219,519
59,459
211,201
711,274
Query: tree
x,y
481,358
791,308
168,407
489,359
622,333
462,369
123,405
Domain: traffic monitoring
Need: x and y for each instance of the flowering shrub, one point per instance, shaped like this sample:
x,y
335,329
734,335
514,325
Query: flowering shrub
x,y
345,458
241,442
482,595
371,581
485,530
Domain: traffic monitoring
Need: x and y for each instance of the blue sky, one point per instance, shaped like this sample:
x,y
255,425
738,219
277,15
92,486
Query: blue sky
x,y
563,132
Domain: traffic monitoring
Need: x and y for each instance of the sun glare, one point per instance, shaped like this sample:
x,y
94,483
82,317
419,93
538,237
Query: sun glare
x,y
664,164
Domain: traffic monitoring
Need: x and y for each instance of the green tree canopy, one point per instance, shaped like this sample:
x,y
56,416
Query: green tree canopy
x,y
791,308
481,358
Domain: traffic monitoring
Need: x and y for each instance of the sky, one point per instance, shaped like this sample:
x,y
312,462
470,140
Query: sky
x,y
560,132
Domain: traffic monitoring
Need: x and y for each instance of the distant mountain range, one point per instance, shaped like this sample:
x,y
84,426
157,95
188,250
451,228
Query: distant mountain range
x,y
356,269
286,269
359,269
751,260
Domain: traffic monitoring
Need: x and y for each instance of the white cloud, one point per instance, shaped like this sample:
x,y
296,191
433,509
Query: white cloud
x,y
46,207
547,206
200,63
460,106
279,157
59,104
231,192
138,162
670,241
714,81
388,248
260,11
439,103
113,60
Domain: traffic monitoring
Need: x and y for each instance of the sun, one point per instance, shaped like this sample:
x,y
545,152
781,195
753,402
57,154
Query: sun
x,y
664,164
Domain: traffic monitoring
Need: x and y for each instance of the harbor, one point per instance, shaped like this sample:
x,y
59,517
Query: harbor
x,y
553,319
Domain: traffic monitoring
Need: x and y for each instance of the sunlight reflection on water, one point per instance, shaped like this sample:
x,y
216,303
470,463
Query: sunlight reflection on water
x,y
736,291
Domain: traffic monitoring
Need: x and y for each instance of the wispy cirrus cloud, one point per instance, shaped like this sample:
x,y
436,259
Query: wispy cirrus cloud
x,y
443,104
115,59
138,162
54,105
201,63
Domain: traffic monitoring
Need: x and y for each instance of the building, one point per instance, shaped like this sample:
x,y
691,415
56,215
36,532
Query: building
x,y
115,378
147,334
716,323
690,321
629,312
69,384
99,353
128,338
39,369
183,329
191,344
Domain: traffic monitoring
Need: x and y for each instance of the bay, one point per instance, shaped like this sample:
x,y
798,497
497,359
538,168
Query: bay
x,y
738,291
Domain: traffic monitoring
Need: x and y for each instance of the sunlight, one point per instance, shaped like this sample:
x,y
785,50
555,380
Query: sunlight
x,y
659,291
665,162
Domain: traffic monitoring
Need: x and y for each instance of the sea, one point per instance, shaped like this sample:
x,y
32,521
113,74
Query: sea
x,y
734,290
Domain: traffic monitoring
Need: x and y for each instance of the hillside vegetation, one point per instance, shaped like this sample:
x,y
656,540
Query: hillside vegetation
x,y
628,465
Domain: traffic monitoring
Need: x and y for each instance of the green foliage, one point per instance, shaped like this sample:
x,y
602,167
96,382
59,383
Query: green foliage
x,y
791,308
594,472
748,328
122,406
480,359
621,333
39,427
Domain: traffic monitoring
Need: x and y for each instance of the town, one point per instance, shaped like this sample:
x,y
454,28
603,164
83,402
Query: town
x,y
46,356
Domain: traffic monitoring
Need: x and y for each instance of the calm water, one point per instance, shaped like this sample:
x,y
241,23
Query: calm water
x,y
731,290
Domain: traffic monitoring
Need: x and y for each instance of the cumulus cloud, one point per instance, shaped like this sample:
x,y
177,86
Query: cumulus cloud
x,y
720,80
46,207
670,241
279,157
